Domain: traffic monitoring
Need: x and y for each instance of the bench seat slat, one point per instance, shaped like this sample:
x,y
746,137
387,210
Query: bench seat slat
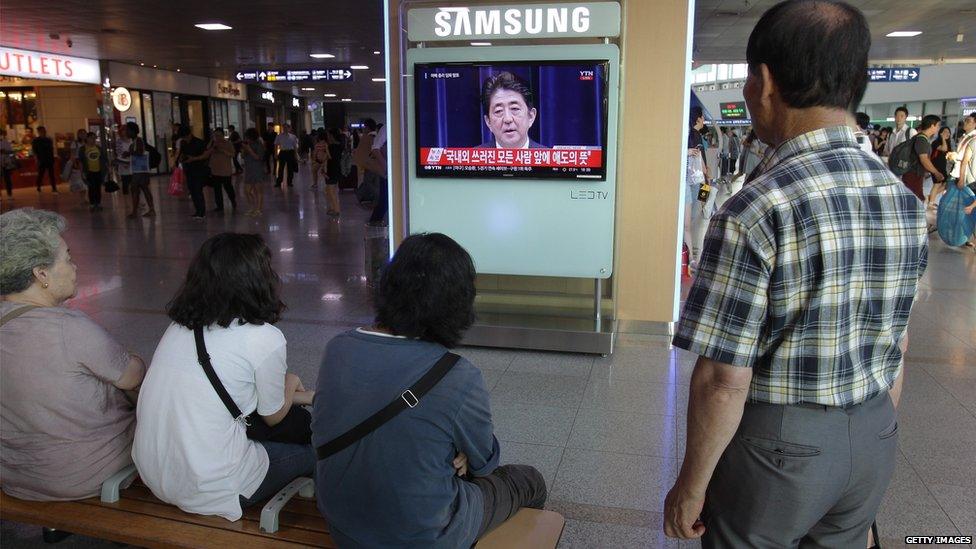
x,y
299,513
159,509
528,529
128,527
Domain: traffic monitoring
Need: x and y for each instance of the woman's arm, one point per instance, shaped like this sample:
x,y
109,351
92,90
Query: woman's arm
x,y
295,393
964,163
134,373
250,151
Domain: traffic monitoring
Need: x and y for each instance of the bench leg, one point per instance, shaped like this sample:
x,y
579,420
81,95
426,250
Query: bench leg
x,y
51,535
269,514
112,485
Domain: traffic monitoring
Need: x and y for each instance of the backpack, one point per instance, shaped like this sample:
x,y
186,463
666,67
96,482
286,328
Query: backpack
x,y
903,158
154,156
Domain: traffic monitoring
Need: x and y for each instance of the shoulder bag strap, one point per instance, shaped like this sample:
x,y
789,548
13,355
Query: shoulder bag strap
x,y
407,399
16,312
204,360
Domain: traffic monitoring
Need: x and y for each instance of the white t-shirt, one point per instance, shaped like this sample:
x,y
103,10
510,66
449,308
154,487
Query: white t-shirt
x,y
287,141
122,146
899,136
189,450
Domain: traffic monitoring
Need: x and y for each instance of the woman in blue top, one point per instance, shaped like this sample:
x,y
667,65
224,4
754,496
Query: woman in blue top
x,y
429,477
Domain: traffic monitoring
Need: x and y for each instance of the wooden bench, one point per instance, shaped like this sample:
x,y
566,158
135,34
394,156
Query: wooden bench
x,y
136,517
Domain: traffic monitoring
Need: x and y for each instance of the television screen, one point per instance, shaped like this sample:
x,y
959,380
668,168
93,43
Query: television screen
x,y
539,119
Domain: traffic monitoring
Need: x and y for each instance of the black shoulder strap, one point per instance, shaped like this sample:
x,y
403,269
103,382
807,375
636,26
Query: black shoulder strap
x,y
407,399
17,312
204,360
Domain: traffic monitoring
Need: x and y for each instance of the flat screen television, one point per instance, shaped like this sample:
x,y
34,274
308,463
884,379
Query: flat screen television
x,y
528,119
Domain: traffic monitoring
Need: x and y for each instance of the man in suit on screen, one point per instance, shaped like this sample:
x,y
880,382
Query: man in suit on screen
x,y
509,112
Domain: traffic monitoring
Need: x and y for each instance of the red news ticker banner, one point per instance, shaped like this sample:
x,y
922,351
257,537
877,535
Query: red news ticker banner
x,y
523,158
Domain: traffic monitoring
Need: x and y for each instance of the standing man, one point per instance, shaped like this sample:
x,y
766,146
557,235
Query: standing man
x,y
902,132
922,149
269,148
43,149
193,155
236,141
800,307
287,145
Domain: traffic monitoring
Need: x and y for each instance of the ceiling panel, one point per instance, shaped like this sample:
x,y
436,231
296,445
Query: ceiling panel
x,y
722,28
265,32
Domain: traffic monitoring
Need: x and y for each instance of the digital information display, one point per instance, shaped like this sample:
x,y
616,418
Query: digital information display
x,y
733,110
545,119
295,75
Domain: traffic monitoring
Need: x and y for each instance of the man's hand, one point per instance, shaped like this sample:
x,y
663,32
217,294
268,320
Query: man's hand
x,y
938,177
682,511
461,464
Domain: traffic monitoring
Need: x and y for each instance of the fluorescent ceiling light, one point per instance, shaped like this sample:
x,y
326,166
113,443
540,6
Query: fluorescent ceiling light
x,y
308,89
379,80
322,55
480,43
377,52
329,94
212,26
346,99
359,67
903,34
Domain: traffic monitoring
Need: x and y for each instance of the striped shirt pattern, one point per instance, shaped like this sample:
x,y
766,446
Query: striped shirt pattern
x,y
809,273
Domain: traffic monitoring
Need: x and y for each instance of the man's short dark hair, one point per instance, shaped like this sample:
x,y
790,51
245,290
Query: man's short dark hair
x,y
132,127
862,119
427,291
816,51
370,124
903,109
971,115
230,279
928,121
505,81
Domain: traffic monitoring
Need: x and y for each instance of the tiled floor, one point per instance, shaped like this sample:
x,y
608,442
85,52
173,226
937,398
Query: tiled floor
x,y
607,433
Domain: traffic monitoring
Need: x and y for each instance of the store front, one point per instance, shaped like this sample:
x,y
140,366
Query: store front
x,y
60,93
227,105
266,107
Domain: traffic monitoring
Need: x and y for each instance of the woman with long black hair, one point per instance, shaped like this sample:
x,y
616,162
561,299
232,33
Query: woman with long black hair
x,y
190,449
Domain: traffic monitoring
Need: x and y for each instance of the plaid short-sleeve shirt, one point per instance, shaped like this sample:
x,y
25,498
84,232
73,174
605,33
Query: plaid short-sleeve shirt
x,y
808,274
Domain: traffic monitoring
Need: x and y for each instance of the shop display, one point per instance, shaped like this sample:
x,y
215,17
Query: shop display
x,y
543,119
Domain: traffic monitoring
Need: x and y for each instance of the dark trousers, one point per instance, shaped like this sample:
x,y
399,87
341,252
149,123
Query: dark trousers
x,y
126,183
269,161
287,159
8,181
382,204
804,475
49,168
94,182
913,181
222,184
286,462
195,184
237,163
506,490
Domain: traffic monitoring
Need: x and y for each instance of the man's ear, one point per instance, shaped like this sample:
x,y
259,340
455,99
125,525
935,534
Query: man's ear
x,y
768,84
532,115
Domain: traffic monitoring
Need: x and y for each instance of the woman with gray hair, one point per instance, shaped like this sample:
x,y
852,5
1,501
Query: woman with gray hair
x,y
66,418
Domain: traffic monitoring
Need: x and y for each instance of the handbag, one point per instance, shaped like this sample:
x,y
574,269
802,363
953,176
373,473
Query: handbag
x,y
76,181
407,399
295,428
111,186
177,182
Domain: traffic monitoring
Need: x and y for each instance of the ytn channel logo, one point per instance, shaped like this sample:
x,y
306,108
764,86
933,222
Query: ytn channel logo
x,y
938,540
434,155
587,75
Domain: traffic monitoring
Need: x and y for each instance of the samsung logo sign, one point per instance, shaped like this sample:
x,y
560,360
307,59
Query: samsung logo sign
x,y
571,20
466,22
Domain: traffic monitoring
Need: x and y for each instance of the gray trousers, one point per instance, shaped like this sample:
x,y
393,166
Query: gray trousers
x,y
506,490
802,476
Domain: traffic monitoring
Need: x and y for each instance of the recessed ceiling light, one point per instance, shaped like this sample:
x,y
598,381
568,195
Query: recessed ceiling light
x,y
377,52
346,99
178,70
959,37
308,89
212,26
155,67
329,94
379,80
903,34
480,43
359,67
322,55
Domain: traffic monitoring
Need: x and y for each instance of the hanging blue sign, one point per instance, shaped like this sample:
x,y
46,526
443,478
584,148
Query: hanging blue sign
x,y
895,74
